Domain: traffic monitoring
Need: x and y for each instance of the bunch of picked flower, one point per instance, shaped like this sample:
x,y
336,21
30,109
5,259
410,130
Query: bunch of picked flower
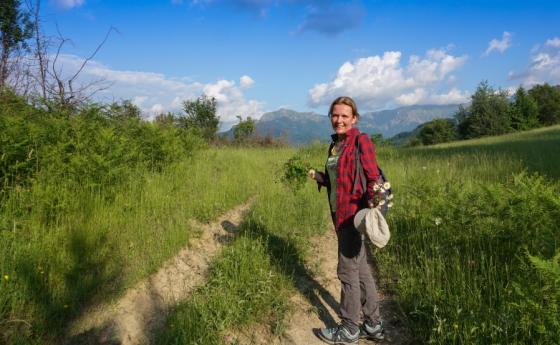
x,y
382,195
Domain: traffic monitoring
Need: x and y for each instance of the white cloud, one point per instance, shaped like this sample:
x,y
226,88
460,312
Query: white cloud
x,y
246,81
499,45
155,93
544,65
68,4
554,42
381,81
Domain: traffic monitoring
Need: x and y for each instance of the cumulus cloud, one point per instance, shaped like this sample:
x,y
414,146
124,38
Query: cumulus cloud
x,y
246,81
68,4
381,81
499,45
544,65
155,93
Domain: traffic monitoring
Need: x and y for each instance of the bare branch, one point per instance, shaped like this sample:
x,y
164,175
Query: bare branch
x,y
94,53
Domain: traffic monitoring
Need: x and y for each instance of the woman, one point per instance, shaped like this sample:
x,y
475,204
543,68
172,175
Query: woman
x,y
358,292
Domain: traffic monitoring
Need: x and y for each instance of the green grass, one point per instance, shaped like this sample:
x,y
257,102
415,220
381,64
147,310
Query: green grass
x,y
473,257
469,220
65,248
251,281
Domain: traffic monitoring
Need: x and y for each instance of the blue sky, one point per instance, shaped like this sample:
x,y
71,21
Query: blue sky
x,y
256,56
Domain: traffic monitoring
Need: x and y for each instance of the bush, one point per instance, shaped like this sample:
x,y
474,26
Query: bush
x,y
437,131
465,276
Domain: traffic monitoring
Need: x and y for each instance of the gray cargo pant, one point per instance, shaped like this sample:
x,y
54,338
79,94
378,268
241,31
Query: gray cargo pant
x,y
358,292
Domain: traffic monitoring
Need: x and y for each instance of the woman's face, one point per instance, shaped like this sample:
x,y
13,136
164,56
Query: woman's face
x,y
342,118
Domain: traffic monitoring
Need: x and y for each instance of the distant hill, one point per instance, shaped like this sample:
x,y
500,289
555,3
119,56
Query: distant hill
x,y
304,127
403,138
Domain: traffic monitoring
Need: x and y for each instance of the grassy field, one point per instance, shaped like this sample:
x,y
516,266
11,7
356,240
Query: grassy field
x,y
473,258
101,242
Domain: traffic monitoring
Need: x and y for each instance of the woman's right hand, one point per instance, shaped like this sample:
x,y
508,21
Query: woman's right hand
x,y
312,173
317,176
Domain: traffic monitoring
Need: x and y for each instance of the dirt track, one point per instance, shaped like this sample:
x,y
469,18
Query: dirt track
x,y
132,319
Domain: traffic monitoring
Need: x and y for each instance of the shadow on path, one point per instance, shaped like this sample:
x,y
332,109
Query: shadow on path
x,y
287,260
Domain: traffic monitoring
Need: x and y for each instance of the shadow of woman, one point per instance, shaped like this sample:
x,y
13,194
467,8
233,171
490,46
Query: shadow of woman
x,y
287,260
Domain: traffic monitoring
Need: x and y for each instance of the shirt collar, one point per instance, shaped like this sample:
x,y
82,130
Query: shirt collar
x,y
351,133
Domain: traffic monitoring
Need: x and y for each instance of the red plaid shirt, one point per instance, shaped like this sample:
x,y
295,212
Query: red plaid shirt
x,y
348,204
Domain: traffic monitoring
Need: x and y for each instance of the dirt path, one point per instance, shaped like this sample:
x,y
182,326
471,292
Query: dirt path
x,y
132,319
317,306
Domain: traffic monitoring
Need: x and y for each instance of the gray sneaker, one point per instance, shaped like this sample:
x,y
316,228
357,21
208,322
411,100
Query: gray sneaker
x,y
339,335
372,332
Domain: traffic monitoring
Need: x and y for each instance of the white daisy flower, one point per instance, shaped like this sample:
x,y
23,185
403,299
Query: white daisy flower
x,y
381,202
376,187
389,205
390,197
386,185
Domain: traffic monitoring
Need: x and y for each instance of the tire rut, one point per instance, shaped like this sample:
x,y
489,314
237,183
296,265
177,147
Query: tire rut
x,y
133,319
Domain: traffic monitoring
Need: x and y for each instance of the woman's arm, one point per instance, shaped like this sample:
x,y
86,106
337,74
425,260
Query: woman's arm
x,y
368,159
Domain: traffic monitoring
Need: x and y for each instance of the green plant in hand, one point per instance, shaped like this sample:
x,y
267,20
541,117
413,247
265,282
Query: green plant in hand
x,y
295,173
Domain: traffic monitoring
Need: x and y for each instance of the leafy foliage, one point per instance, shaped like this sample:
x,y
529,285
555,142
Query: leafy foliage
x,y
97,146
437,131
15,29
295,172
488,113
524,112
244,129
548,102
200,116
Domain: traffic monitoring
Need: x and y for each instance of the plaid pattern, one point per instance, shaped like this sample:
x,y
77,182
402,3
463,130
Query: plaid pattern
x,y
347,204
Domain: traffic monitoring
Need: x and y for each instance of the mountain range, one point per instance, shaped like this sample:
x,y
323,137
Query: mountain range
x,y
304,127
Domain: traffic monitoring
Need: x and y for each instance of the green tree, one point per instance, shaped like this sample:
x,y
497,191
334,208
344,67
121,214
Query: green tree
x,y
488,113
244,129
15,29
124,111
548,102
200,116
377,139
166,120
524,111
437,131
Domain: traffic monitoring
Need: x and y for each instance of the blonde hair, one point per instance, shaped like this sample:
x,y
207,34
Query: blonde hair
x,y
346,101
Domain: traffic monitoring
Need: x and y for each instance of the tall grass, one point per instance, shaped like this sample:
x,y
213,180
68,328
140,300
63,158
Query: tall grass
x,y
474,257
101,242
476,237
252,281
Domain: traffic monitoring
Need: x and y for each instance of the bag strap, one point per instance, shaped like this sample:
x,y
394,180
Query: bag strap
x,y
359,169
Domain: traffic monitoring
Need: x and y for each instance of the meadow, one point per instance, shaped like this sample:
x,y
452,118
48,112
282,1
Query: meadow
x,y
474,257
